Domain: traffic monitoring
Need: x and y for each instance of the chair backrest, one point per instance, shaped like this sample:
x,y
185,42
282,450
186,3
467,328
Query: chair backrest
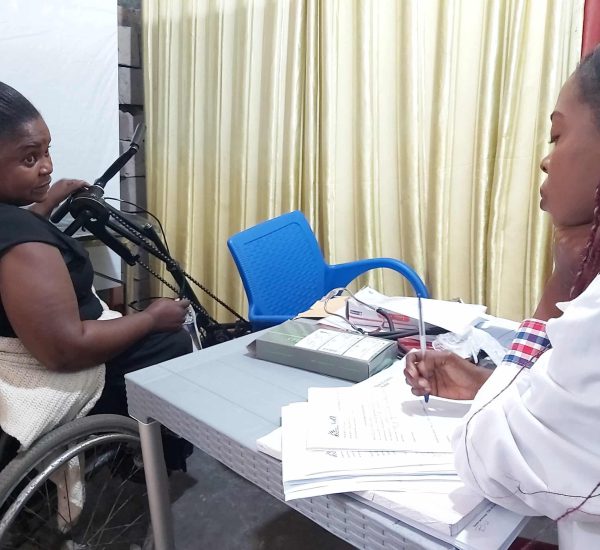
x,y
281,265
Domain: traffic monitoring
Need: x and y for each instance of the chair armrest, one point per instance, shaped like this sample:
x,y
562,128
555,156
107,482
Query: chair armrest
x,y
260,322
342,274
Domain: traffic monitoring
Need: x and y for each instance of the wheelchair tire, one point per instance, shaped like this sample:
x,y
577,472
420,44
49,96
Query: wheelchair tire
x,y
115,509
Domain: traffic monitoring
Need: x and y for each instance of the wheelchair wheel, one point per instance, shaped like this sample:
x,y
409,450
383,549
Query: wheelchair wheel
x,y
104,505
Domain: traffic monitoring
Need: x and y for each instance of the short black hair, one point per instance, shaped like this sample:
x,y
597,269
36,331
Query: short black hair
x,y
15,110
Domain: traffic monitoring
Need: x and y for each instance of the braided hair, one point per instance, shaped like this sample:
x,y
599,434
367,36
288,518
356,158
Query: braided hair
x,y
15,110
587,78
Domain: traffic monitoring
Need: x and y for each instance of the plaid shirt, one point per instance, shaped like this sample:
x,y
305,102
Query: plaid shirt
x,y
529,343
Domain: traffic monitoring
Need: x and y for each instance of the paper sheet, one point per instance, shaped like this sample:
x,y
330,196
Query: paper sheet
x,y
383,417
307,473
453,316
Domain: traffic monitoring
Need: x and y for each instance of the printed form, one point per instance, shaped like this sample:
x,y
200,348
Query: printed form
x,y
381,418
307,472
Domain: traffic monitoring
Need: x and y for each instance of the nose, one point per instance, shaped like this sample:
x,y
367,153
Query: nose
x,y
46,167
544,164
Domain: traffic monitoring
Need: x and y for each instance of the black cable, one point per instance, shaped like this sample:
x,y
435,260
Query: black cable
x,y
170,262
102,219
142,210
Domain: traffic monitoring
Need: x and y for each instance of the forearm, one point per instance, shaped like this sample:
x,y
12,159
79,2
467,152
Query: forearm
x,y
487,461
525,452
59,339
488,447
95,342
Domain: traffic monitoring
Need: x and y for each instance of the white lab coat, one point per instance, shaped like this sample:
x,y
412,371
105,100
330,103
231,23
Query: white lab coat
x,y
535,448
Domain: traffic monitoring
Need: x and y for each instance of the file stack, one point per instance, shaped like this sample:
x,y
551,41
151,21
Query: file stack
x,y
379,440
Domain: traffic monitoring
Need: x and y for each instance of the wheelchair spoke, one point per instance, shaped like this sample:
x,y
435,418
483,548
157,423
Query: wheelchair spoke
x,y
47,499
100,493
34,542
114,514
117,539
45,521
110,515
66,481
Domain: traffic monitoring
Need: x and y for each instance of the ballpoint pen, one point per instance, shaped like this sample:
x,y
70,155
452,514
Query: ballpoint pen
x,y
422,341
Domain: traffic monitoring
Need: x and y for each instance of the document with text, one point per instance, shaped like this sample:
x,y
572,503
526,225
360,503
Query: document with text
x,y
381,418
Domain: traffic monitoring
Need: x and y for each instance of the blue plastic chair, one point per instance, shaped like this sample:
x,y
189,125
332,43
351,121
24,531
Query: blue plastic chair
x,y
284,273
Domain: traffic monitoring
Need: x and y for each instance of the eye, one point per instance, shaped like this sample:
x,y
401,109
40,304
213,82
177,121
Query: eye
x,y
29,160
553,138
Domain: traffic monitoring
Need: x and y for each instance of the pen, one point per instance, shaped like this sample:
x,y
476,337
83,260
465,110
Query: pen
x,y
422,340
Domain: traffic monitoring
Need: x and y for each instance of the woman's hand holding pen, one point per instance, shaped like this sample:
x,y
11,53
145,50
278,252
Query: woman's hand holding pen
x,y
443,374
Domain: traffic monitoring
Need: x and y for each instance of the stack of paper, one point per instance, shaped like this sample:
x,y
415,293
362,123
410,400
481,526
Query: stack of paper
x,y
448,514
380,440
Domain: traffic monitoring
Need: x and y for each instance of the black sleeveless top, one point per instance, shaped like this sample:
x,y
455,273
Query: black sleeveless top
x,y
18,226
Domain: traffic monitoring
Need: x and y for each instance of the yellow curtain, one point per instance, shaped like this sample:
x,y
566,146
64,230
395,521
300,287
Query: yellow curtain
x,y
402,128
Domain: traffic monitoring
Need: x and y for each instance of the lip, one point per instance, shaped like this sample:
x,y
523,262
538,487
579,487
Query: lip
x,y
45,184
542,201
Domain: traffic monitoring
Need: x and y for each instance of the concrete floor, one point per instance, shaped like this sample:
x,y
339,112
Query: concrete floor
x,y
214,508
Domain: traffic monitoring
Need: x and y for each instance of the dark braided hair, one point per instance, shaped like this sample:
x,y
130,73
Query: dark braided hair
x,y
587,78
15,110
590,264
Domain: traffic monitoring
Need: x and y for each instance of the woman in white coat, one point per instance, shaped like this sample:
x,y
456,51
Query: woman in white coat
x,y
531,440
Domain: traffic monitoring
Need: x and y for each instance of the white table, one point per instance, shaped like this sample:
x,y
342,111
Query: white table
x,y
222,399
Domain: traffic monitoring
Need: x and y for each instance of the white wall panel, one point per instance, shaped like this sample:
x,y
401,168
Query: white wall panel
x,y
62,55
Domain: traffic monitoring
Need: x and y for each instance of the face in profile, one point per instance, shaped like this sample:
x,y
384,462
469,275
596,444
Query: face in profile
x,y
573,165
25,164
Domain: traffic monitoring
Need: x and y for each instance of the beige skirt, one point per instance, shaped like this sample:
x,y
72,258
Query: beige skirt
x,y
34,400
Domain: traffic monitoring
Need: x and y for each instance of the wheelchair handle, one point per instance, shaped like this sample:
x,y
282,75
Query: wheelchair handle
x,y
100,183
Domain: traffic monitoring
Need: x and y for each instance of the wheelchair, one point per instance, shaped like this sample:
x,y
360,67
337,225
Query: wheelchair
x,y
81,486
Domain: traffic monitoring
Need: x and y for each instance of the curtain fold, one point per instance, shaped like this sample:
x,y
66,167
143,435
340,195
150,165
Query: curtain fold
x,y
410,129
591,26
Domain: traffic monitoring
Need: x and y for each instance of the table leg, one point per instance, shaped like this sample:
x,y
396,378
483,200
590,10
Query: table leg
x,y
158,486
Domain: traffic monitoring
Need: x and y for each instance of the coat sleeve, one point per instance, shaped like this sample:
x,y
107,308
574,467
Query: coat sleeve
x,y
530,442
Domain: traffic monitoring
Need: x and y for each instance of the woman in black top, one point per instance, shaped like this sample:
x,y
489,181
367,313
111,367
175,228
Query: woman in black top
x,y
46,297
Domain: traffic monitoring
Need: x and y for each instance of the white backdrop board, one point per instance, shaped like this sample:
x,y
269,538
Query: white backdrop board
x,y
62,55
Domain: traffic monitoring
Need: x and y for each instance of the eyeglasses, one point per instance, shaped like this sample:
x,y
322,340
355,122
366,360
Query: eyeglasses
x,y
385,314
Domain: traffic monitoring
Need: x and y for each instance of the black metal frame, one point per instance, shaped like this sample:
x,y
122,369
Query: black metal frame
x,y
91,212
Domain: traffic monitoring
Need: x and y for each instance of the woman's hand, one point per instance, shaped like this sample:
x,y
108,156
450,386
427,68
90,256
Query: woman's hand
x,y
57,193
568,250
444,374
167,314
